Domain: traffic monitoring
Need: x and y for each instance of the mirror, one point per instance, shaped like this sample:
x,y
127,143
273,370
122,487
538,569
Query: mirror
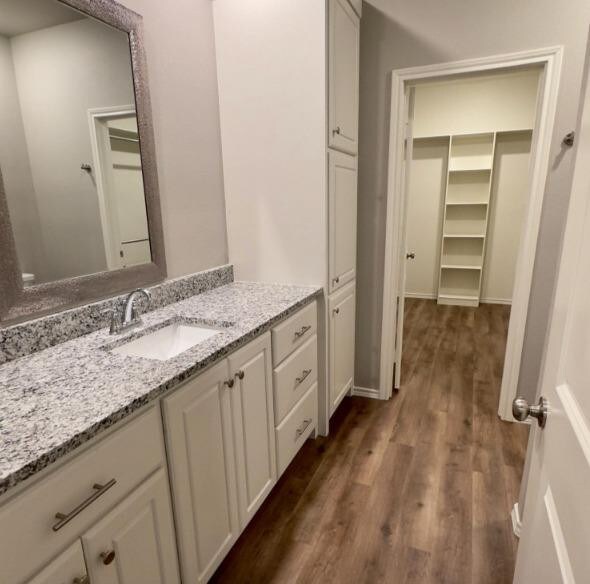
x,y
74,141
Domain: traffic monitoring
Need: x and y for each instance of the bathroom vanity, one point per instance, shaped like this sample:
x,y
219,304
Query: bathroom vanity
x,y
110,457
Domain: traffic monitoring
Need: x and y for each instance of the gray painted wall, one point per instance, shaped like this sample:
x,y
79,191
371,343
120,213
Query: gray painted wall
x,y
14,165
397,34
183,85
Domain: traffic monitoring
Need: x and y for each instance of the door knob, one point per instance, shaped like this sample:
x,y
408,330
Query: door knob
x,y
410,255
521,410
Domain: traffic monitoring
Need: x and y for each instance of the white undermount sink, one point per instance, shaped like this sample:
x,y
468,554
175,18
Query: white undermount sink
x,y
167,342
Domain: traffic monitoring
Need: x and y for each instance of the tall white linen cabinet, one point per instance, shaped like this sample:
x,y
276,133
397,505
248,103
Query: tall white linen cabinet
x,y
288,76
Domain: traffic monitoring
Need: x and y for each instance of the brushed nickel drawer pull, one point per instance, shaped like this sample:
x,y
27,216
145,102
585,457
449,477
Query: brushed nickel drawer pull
x,y
300,333
99,491
299,380
302,428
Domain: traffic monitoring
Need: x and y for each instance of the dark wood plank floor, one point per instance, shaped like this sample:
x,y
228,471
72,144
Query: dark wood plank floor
x,y
417,489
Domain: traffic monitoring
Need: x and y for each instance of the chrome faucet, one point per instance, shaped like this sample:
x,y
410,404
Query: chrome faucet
x,y
128,318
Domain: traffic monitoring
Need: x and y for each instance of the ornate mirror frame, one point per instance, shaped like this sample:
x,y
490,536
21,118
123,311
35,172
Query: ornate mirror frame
x,y
18,303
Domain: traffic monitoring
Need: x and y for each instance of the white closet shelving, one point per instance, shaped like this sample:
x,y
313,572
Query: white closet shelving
x,y
466,218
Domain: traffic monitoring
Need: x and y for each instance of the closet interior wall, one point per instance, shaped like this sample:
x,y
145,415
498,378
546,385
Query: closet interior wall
x,y
468,185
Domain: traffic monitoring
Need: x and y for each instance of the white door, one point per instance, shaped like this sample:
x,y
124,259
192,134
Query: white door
x,y
342,207
128,192
555,542
341,365
200,441
135,542
251,399
403,255
343,72
67,568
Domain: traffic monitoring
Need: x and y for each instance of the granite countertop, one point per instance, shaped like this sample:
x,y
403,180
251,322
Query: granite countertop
x,y
53,401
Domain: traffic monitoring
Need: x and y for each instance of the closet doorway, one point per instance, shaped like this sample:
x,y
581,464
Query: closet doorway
x,y
468,159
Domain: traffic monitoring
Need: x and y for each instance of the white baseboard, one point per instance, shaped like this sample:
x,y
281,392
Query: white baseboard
x,y
506,301
516,521
425,296
420,295
366,392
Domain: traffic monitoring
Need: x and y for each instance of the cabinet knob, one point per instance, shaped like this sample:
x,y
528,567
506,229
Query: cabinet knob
x,y
336,280
107,557
336,130
240,374
336,311
229,383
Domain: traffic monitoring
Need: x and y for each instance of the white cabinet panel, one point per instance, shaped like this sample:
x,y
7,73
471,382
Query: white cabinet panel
x,y
358,6
127,456
294,376
344,31
296,428
200,440
342,224
253,419
342,330
67,568
294,332
135,542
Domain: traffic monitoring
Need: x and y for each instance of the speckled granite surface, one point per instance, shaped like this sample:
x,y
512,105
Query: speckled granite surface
x,y
54,400
40,333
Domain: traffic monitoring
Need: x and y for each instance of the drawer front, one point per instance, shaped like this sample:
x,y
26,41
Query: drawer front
x,y
294,332
27,538
294,376
296,428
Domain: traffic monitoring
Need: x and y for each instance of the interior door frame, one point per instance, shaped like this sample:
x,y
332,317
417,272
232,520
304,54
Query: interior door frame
x,y
550,59
108,221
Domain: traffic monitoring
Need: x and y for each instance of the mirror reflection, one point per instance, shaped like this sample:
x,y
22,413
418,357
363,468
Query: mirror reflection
x,y
69,143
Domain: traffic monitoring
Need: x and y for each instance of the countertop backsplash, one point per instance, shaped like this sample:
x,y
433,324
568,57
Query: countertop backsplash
x,y
35,335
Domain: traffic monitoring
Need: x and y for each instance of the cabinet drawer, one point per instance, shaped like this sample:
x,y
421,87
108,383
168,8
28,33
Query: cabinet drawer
x,y
28,539
294,376
291,334
296,428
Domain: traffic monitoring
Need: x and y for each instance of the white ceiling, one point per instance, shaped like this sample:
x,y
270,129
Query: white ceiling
x,y
21,16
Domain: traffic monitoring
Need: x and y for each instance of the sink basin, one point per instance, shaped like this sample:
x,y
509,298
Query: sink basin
x,y
167,342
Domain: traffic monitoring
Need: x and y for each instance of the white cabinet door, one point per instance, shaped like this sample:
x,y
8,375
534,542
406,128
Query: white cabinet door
x,y
253,422
342,309
343,74
342,203
135,542
67,568
200,440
